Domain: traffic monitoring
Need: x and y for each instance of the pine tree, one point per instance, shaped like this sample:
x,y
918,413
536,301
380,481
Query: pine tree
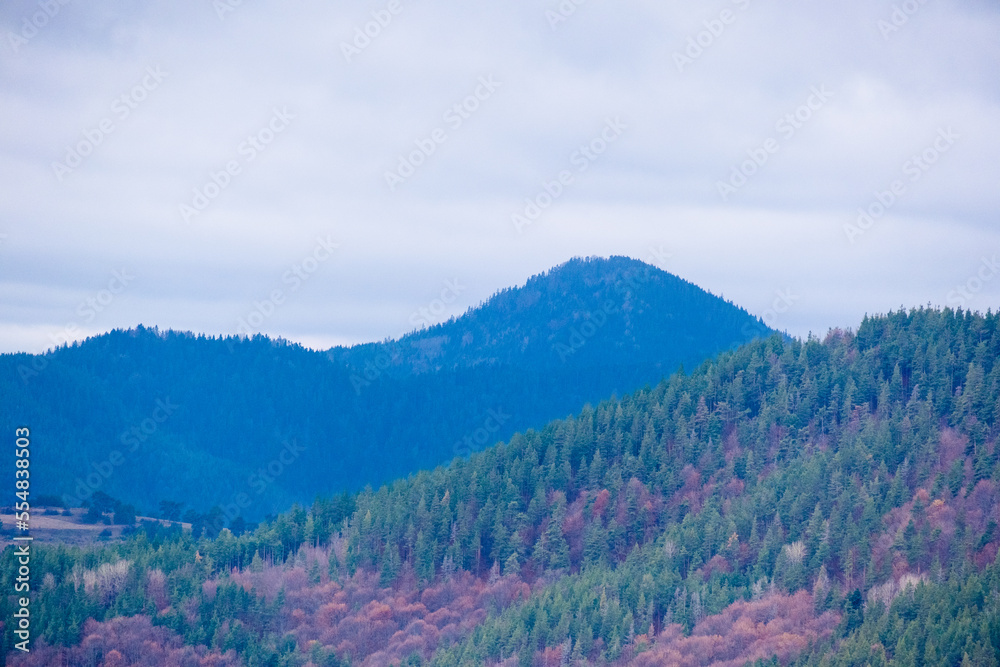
x,y
597,470
391,564
512,565
424,557
333,566
556,546
815,538
595,545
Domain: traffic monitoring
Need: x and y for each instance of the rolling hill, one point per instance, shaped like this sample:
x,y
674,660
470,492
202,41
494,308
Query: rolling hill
x,y
251,425
811,503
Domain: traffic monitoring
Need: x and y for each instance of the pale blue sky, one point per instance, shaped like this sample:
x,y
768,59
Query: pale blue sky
x,y
112,115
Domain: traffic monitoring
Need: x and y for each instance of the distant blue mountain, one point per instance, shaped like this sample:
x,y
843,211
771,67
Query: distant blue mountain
x,y
252,425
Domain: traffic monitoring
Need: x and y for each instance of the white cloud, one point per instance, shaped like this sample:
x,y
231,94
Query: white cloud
x,y
324,174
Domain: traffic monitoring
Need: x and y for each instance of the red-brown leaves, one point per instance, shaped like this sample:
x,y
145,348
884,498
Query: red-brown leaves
x,y
125,642
781,625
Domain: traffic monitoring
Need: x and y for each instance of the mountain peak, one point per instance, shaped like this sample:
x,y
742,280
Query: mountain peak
x,y
579,333
585,307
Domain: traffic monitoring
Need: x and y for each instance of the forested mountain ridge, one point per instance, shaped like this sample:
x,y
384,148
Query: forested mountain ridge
x,y
251,425
595,312
789,502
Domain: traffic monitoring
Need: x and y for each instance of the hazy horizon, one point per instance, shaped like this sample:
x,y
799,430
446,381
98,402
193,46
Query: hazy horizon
x,y
430,315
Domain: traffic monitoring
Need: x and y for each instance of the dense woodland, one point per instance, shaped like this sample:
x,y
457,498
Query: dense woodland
x,y
791,502
254,424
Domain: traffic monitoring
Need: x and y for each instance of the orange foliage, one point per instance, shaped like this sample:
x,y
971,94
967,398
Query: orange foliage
x,y
381,626
781,625
601,502
733,488
979,507
951,446
376,611
716,564
125,642
114,659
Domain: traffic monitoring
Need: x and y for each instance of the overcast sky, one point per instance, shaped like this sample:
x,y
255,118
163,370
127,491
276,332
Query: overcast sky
x,y
221,166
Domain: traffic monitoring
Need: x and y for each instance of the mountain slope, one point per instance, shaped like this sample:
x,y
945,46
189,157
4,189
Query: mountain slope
x,y
251,425
815,503
593,312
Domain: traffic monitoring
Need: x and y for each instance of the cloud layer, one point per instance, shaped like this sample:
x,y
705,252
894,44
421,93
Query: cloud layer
x,y
811,163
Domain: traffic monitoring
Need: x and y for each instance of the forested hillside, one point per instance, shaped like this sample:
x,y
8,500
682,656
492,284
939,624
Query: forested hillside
x,y
250,426
813,502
